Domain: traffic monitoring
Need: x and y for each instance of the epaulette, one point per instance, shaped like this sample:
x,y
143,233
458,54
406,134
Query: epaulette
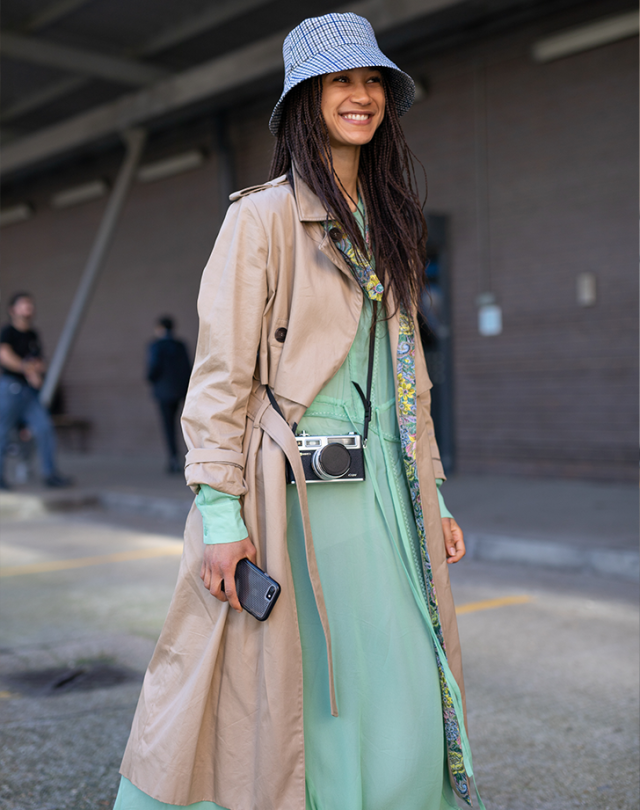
x,y
279,181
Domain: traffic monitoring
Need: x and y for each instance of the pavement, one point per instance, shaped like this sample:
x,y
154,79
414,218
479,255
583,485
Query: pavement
x,y
547,599
551,663
552,523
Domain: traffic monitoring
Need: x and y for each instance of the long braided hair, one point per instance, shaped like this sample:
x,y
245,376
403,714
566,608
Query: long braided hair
x,y
387,182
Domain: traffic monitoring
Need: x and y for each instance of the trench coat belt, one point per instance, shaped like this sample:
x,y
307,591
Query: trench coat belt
x,y
263,416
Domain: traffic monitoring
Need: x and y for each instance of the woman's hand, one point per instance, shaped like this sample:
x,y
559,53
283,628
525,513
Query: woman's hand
x,y
453,540
219,566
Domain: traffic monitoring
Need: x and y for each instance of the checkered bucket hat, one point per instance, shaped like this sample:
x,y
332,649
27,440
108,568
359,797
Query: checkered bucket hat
x,y
332,43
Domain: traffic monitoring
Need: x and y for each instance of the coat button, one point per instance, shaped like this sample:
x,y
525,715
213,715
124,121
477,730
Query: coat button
x,y
335,234
280,334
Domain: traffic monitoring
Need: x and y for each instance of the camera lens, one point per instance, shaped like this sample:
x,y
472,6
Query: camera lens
x,y
331,462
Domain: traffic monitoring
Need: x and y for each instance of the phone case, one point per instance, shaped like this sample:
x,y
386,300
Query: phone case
x,y
257,592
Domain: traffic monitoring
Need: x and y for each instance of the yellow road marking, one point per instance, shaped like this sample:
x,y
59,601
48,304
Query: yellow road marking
x,y
176,550
488,604
83,562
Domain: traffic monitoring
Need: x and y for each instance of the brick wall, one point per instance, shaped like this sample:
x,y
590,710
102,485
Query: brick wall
x,y
554,394
162,243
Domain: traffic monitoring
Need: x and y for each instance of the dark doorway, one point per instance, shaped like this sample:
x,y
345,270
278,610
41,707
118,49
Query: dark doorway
x,y
435,327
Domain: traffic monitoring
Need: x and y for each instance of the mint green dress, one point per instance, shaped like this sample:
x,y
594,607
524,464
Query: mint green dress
x,y
385,751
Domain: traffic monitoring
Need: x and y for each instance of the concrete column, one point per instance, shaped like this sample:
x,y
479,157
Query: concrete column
x,y
135,141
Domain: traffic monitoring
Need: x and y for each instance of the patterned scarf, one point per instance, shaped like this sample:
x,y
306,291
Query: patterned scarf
x,y
458,753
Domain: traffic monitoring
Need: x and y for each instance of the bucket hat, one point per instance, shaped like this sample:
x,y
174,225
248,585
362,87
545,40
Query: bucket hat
x,y
332,43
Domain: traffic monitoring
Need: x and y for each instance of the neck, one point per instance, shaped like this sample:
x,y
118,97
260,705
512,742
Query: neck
x,y
346,162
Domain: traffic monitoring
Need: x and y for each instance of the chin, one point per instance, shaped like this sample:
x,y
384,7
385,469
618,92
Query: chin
x,y
357,139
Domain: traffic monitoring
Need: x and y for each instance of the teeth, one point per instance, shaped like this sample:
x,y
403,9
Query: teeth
x,y
356,117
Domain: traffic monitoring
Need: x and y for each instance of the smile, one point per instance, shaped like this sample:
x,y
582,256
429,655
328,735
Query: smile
x,y
356,117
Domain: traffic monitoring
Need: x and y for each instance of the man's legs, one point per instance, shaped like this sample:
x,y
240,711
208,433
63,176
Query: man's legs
x,y
39,423
12,407
168,412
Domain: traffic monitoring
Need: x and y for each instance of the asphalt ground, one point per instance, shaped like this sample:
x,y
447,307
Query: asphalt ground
x,y
551,662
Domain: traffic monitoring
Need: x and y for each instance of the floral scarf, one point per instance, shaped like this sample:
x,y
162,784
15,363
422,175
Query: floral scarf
x,y
458,753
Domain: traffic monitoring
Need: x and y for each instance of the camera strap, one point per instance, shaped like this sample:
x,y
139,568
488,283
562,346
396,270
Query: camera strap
x,y
366,400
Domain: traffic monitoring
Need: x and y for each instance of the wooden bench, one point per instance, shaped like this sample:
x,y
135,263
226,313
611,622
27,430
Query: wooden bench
x,y
73,431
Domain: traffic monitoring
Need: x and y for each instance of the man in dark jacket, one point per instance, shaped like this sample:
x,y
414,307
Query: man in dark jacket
x,y
168,370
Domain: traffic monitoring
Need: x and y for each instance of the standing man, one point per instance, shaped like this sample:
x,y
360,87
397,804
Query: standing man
x,y
22,375
168,370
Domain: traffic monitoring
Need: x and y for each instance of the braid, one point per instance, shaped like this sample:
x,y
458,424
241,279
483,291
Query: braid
x,y
387,180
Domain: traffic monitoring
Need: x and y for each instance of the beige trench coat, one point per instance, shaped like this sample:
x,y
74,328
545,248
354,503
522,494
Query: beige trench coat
x,y
220,714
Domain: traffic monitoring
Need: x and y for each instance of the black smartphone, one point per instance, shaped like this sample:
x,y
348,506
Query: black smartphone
x,y
257,592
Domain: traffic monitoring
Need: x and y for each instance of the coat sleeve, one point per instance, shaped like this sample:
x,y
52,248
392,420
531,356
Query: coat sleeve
x,y
231,303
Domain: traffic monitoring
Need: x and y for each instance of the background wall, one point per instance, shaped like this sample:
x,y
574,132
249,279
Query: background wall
x,y
554,394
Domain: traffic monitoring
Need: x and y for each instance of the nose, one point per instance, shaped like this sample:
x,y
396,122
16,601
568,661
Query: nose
x,y
360,94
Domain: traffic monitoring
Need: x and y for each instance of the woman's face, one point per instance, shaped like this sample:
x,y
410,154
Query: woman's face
x,y
352,105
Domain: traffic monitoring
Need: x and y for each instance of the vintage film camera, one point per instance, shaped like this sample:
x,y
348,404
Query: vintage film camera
x,y
330,458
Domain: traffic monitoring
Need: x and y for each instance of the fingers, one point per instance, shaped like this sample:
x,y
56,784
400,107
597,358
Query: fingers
x,y
219,590
219,567
230,588
210,575
457,543
448,536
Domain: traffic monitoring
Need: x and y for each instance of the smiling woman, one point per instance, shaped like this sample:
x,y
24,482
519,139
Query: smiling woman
x,y
350,694
353,103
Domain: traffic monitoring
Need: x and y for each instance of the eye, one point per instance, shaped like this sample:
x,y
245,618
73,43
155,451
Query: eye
x,y
376,79
343,79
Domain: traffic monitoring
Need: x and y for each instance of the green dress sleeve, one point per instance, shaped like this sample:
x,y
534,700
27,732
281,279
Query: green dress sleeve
x,y
221,518
222,522
444,512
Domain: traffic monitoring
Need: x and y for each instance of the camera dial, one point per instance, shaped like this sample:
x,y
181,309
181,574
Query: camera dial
x,y
331,461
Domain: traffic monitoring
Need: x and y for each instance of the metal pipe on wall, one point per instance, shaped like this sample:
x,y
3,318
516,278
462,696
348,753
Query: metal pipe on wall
x,y
135,141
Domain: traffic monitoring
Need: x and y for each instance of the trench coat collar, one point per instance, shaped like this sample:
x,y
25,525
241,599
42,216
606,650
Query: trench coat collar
x,y
310,207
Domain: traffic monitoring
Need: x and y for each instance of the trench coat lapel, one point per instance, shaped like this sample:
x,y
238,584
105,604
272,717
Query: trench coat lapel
x,y
311,209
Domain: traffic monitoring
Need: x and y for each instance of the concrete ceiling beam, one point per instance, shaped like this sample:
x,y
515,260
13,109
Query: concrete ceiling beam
x,y
46,95
185,29
233,70
74,60
196,24
51,14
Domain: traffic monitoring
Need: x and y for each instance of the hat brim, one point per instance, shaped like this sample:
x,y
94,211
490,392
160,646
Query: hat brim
x,y
347,57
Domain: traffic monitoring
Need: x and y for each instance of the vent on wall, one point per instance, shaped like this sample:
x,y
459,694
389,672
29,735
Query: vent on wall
x,y
168,167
